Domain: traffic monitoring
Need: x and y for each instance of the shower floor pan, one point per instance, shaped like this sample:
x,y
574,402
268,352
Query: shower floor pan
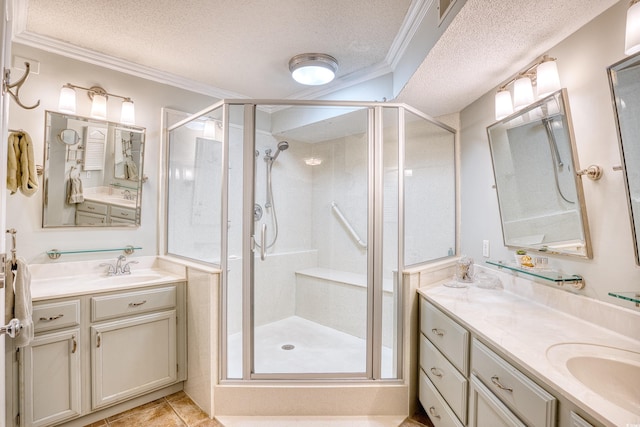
x,y
297,345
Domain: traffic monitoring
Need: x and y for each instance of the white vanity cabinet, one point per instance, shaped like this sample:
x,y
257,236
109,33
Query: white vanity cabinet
x,y
95,352
137,349
50,367
444,364
474,386
96,213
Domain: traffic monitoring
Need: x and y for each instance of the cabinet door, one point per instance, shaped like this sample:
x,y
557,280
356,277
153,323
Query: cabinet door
x,y
51,377
132,356
487,410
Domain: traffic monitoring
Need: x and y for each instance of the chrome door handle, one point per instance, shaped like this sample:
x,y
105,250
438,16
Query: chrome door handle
x,y
263,238
12,329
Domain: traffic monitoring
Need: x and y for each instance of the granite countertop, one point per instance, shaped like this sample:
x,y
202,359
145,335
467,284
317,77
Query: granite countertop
x,y
524,329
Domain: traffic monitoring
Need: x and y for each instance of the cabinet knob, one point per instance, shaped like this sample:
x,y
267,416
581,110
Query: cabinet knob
x,y
433,413
137,304
436,372
496,381
438,332
49,319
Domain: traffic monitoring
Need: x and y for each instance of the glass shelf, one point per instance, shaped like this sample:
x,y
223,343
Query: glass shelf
x,y
546,274
56,253
627,296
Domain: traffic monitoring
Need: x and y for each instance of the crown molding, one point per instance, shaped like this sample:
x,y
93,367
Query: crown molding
x,y
413,19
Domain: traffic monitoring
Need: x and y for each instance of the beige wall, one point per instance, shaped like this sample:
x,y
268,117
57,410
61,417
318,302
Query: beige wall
x,y
582,61
25,213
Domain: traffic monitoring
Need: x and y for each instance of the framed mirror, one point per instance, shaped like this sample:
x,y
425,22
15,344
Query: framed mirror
x,y
92,172
539,192
624,80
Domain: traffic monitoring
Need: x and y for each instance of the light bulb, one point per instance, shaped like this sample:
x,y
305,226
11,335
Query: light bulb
x,y
128,113
67,102
503,106
632,34
99,107
547,79
522,93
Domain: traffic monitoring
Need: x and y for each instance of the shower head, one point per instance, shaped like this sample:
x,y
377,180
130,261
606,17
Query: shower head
x,y
282,145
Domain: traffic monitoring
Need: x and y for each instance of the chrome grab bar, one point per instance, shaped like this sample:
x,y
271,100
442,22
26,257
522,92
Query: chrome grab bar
x,y
12,329
336,210
263,239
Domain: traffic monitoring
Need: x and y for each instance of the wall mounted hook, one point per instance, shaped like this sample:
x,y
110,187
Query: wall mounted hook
x,y
7,86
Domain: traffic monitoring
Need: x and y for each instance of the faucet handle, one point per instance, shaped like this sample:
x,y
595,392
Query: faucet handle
x,y
127,267
111,270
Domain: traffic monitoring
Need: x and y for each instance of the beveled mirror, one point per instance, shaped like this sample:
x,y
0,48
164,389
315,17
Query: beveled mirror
x,y
539,192
92,172
624,80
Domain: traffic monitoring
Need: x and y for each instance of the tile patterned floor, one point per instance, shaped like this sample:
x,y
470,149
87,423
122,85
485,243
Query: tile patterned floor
x,y
178,410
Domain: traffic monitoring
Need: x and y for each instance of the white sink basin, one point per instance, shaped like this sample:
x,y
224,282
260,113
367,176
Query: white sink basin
x,y
612,373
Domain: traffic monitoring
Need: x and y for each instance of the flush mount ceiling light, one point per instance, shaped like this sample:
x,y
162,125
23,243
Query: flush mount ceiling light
x,y
98,96
313,68
543,73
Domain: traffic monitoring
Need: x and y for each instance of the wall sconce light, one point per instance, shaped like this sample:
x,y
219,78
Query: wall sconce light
x,y
99,97
543,74
632,34
211,128
313,68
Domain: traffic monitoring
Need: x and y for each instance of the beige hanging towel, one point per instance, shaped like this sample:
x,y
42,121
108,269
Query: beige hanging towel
x,y
21,167
18,301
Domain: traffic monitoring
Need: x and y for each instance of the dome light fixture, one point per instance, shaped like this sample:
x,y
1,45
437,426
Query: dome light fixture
x,y
313,68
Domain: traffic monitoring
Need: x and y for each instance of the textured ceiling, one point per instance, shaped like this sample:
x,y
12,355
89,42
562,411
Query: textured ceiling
x,y
488,42
243,46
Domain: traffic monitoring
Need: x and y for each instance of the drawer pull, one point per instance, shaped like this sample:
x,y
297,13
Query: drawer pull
x,y
91,208
49,319
496,381
438,332
98,340
436,372
137,304
74,344
433,413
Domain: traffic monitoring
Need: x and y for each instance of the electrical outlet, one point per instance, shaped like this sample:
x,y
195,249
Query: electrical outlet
x,y
485,248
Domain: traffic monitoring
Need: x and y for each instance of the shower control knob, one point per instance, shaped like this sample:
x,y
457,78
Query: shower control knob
x,y
257,212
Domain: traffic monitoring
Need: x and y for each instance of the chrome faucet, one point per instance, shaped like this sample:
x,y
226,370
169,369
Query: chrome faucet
x,y
126,194
119,268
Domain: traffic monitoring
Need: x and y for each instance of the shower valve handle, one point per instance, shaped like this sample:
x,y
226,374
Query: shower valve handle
x,y
263,239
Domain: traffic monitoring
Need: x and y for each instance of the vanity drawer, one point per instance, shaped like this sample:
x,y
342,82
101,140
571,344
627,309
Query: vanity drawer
x,y
439,412
449,382
55,315
124,213
524,397
449,337
92,207
130,303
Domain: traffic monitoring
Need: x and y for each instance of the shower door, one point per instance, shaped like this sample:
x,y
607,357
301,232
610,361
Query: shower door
x,y
311,286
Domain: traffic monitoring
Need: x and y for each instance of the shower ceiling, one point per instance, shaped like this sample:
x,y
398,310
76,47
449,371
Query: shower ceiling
x,y
238,49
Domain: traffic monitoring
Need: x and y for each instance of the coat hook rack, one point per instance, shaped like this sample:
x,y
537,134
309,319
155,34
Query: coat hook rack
x,y
7,86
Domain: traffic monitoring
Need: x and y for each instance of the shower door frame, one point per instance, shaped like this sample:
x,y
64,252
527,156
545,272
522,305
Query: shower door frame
x,y
374,252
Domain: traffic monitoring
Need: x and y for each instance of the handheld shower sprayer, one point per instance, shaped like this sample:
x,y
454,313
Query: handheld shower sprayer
x,y
282,145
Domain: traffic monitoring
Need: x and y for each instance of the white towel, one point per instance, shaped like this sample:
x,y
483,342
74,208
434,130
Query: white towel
x,y
18,299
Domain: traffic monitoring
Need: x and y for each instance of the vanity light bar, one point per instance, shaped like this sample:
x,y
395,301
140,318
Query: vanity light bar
x,y
543,73
98,97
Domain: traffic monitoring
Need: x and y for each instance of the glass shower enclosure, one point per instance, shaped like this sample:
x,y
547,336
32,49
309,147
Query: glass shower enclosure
x,y
312,210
